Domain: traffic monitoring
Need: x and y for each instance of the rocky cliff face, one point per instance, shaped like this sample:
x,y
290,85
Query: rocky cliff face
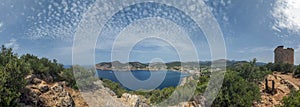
x,y
43,94
39,93
104,97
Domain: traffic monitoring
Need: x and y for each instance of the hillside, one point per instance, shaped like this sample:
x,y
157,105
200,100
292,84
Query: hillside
x,y
284,84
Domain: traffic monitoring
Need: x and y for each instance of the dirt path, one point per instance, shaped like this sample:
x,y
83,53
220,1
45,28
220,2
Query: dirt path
x,y
283,85
290,78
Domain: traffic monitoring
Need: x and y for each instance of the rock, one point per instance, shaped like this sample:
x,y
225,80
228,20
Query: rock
x,y
42,95
49,79
112,93
199,100
30,77
57,88
36,81
43,88
134,100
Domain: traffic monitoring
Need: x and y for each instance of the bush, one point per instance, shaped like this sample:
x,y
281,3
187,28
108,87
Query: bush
x,y
115,87
12,77
68,76
43,66
85,77
297,72
251,72
283,68
236,92
293,100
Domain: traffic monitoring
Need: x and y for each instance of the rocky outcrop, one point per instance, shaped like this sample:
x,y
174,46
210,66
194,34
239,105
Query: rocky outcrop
x,y
40,93
134,100
104,97
282,88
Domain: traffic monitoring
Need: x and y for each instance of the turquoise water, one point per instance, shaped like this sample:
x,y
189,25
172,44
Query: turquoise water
x,y
172,78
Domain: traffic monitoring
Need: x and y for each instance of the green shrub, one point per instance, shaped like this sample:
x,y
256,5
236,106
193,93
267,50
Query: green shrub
x,y
68,76
297,71
283,67
85,77
293,100
12,77
115,87
236,92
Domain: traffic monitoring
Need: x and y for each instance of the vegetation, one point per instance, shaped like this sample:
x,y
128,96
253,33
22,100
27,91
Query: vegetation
x,y
236,92
115,87
154,96
297,72
12,73
281,67
250,72
85,77
14,69
240,86
293,100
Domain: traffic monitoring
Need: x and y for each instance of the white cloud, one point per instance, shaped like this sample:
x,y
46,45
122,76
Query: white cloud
x,y
58,21
12,44
160,33
287,14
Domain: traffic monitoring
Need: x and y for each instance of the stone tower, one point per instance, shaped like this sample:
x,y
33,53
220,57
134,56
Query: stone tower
x,y
284,55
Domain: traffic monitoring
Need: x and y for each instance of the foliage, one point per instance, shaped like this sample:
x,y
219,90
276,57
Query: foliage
x,y
43,66
251,72
293,100
68,76
85,77
201,85
12,73
14,69
281,67
115,87
236,92
297,71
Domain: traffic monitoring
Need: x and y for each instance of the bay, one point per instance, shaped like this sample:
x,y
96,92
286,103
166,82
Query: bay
x,y
171,79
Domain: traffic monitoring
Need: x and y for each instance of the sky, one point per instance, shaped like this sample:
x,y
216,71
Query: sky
x,y
251,29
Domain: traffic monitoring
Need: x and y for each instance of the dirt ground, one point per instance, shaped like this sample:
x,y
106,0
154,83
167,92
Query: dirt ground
x,y
283,85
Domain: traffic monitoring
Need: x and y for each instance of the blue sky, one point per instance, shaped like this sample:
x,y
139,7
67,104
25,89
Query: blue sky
x,y
251,29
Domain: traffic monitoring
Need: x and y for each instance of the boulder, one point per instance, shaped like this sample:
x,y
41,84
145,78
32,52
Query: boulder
x,y
36,81
134,100
43,88
30,77
42,95
57,88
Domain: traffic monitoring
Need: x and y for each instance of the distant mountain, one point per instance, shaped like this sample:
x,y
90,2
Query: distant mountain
x,y
169,65
119,65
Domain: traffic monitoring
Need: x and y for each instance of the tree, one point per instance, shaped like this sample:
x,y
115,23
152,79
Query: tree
x,y
236,92
251,72
12,77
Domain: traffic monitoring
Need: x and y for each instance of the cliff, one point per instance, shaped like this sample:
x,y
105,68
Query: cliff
x,y
40,93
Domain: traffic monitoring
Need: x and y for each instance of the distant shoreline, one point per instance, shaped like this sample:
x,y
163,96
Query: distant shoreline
x,y
126,70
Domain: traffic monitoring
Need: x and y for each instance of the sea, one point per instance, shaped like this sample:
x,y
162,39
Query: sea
x,y
142,79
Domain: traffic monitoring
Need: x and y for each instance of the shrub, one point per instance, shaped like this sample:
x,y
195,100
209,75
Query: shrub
x,y
293,100
115,87
297,72
12,77
236,92
85,77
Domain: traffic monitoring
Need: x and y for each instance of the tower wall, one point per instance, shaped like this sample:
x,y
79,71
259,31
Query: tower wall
x,y
284,55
